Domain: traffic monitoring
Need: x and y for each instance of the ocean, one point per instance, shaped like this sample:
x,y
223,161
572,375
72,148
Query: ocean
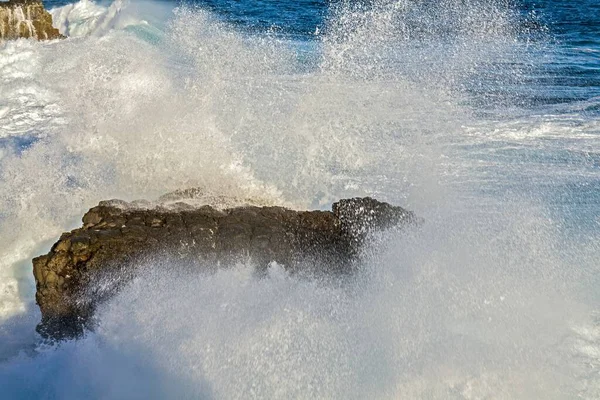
x,y
481,116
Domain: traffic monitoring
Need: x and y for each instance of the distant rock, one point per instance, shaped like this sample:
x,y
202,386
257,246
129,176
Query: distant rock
x,y
26,19
71,278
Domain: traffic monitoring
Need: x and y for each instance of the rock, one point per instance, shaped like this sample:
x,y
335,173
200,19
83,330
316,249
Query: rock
x,y
26,19
115,234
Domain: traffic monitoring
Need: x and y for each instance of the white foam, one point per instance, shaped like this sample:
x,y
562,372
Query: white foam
x,y
424,320
87,18
111,114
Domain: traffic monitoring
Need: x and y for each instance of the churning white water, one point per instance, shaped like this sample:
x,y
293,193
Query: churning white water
x,y
494,297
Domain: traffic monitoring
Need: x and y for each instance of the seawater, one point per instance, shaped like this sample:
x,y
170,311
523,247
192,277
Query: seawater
x,y
481,116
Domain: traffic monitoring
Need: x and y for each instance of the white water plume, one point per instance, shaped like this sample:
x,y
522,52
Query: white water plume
x,y
432,315
484,301
86,18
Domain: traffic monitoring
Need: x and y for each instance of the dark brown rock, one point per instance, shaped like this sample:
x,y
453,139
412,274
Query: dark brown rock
x,y
114,235
26,19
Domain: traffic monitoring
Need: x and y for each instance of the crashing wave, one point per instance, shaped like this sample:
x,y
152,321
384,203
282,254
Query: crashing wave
x,y
86,18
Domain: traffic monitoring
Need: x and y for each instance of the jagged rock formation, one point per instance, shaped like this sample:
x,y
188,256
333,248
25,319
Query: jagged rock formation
x,y
26,19
116,234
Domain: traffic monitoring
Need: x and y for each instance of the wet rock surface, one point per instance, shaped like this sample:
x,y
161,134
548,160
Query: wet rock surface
x,y
117,237
26,19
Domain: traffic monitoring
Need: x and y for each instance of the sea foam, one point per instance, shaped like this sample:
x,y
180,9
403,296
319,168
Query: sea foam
x,y
492,298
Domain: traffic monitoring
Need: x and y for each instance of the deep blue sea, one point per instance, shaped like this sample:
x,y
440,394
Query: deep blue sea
x,y
482,116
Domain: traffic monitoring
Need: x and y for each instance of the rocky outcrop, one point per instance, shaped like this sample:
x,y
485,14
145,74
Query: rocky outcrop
x,y
26,19
116,236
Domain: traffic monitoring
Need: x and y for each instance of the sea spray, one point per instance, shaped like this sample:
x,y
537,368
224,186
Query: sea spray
x,y
489,299
432,314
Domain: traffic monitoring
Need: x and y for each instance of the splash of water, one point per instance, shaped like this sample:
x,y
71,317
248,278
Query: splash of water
x,y
14,19
481,296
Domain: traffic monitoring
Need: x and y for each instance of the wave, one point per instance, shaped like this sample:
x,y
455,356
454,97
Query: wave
x,y
491,299
87,18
